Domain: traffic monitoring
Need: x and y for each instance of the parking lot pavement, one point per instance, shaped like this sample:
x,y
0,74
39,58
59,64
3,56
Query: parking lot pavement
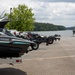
x,y
55,59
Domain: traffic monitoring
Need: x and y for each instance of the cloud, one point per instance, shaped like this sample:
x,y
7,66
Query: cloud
x,y
52,11
56,12
55,0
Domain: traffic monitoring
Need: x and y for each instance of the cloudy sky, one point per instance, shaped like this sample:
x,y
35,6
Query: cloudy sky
x,y
59,12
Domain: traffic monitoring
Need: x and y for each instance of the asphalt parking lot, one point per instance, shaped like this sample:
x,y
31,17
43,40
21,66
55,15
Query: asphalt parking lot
x,y
55,59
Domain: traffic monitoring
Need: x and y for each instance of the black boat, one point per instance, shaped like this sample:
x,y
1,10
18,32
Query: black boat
x,y
11,46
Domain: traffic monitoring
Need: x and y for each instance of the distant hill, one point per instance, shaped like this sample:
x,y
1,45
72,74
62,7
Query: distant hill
x,y
47,27
70,28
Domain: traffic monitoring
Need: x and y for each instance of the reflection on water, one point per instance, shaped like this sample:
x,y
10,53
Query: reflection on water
x,y
64,33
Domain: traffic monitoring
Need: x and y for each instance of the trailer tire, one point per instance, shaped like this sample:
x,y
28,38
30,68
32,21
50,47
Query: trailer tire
x,y
35,47
51,41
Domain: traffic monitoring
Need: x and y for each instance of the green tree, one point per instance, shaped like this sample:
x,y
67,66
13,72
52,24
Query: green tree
x,y
21,18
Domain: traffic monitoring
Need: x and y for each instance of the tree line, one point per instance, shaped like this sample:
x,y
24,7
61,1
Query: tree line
x,y
47,27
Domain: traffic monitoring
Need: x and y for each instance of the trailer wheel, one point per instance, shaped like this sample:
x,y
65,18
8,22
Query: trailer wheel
x,y
51,41
35,47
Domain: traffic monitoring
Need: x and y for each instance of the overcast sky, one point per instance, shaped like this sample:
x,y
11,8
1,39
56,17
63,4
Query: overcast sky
x,y
59,12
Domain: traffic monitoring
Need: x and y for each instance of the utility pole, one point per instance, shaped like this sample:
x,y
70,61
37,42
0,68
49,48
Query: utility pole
x,y
10,17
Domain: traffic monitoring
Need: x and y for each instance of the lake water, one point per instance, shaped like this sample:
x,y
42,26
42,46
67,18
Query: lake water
x,y
65,33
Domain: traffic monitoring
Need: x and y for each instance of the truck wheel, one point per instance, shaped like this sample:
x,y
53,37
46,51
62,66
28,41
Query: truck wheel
x,y
35,47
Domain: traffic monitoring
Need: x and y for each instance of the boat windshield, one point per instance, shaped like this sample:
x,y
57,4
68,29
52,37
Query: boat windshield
x,y
5,31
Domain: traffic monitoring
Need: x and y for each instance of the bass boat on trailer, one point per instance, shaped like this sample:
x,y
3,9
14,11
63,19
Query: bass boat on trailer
x,y
11,46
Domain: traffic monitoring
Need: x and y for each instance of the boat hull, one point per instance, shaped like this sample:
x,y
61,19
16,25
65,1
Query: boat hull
x,y
12,49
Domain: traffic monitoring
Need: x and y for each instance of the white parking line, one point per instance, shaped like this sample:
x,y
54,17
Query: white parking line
x,y
61,57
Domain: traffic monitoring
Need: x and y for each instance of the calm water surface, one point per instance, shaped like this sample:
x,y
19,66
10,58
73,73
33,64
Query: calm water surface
x,y
65,33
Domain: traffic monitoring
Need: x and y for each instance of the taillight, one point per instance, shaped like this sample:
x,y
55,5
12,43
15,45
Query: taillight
x,y
18,60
